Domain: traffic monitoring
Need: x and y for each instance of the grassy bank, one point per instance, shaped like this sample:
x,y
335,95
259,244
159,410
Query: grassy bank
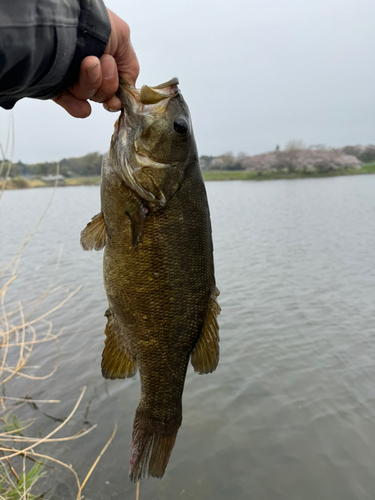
x,y
209,175
21,183
82,181
240,175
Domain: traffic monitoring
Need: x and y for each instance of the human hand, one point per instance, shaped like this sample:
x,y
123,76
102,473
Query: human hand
x,y
98,78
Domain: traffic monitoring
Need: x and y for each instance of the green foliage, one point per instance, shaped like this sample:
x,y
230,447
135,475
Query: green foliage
x,y
16,168
88,165
365,154
26,481
83,181
86,170
12,488
205,161
226,175
12,424
368,168
20,183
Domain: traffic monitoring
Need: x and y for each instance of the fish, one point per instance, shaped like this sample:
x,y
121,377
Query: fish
x,y
158,265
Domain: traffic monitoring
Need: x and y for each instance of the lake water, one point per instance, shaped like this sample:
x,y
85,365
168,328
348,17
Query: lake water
x,y
290,412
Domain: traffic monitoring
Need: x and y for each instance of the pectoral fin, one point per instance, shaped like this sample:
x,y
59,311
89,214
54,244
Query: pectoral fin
x,y
137,218
205,356
116,362
94,235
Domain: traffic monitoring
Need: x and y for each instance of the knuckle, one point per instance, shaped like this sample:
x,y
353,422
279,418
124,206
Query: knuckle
x,y
126,30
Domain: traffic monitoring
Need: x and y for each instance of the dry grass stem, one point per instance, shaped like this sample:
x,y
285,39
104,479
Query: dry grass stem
x,y
29,323
19,429
25,439
96,461
10,467
22,336
29,400
9,144
40,441
59,462
29,453
23,326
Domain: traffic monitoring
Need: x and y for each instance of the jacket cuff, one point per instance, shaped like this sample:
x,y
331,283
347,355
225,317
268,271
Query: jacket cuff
x,y
93,32
69,40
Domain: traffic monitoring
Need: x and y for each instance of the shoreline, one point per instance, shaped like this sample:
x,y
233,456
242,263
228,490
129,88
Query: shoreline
x,y
209,175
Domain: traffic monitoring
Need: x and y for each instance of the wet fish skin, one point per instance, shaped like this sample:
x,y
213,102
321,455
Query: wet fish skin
x,y
158,272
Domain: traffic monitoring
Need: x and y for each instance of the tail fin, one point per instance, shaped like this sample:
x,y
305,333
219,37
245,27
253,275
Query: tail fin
x,y
152,446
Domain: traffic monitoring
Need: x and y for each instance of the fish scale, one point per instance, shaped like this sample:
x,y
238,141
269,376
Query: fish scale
x,y
158,265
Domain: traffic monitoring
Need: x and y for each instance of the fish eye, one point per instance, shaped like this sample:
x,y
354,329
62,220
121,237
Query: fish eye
x,y
180,126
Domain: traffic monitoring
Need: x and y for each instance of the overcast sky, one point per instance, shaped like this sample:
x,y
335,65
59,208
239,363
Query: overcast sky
x,y
255,73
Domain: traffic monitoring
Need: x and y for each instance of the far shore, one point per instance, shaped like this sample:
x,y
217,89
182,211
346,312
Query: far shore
x,y
208,175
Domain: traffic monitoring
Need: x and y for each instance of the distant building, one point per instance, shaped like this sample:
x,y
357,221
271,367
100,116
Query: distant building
x,y
50,179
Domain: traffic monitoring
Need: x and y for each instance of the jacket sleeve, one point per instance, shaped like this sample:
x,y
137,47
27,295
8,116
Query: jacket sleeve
x,y
42,44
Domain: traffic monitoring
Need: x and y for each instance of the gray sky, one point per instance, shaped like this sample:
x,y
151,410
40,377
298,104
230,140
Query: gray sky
x,y
255,73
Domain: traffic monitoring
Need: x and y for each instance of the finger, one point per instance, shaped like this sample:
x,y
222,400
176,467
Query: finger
x,y
109,84
75,107
128,66
90,79
112,104
120,47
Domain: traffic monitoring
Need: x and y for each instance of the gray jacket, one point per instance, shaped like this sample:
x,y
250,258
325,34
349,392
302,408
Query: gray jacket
x,y
42,43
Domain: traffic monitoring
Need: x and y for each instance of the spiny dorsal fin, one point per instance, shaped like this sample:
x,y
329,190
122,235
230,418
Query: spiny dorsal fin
x,y
116,362
205,356
94,235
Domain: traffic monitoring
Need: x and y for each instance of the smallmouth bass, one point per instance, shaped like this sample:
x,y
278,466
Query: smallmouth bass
x,y
158,264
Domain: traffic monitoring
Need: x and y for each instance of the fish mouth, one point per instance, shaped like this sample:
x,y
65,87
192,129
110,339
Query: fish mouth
x,y
153,95
138,105
138,100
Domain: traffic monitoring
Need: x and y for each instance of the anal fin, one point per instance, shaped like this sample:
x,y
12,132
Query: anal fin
x,y
205,356
94,235
116,362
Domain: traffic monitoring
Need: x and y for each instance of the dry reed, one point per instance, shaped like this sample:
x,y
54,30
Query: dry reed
x,y
22,330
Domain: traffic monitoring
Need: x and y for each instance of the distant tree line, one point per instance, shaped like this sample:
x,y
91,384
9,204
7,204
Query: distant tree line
x,y
85,166
296,157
